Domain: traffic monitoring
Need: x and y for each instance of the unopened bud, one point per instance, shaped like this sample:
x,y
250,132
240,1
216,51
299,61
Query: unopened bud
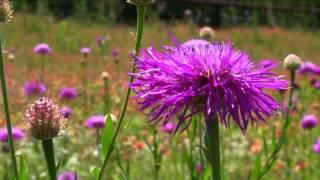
x,y
292,62
105,75
207,33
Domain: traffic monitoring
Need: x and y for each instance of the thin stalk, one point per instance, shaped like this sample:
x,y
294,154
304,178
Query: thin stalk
x,y
48,149
43,64
271,160
156,155
141,11
7,114
214,146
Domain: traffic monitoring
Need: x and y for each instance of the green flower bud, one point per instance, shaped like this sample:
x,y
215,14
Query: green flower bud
x,y
292,62
207,33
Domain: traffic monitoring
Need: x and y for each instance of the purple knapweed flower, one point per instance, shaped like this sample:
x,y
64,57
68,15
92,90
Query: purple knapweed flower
x,y
316,85
68,93
17,134
97,121
68,176
309,121
85,51
195,42
44,119
34,88
267,62
316,147
115,54
66,112
42,49
169,127
309,68
210,78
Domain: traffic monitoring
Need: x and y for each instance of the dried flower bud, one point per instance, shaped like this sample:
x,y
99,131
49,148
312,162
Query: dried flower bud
x,y
292,62
140,2
44,119
207,33
105,75
5,11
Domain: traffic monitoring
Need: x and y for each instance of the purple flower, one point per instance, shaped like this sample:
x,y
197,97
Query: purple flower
x,y
66,112
169,127
17,134
195,43
309,67
97,121
267,63
85,51
316,147
316,85
198,167
214,79
42,49
68,93
115,54
68,176
34,88
309,122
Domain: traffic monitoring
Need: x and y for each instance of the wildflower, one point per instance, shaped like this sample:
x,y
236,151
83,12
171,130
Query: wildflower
x,y
97,122
66,112
309,122
292,62
188,79
316,147
34,88
207,33
68,93
6,12
317,85
42,49
115,54
309,68
68,176
198,168
85,51
44,119
17,134
169,127
140,2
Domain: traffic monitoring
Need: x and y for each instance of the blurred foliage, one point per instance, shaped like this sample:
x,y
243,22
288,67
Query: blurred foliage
x,y
119,11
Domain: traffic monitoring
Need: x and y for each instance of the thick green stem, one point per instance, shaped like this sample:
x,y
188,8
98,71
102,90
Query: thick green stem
x,y
141,11
7,113
273,157
214,146
48,149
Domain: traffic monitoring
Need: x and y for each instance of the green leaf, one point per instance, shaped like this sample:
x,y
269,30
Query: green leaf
x,y
273,142
22,168
257,168
127,127
95,172
107,136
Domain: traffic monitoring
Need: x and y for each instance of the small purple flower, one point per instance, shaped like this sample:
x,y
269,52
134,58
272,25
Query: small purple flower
x,y
169,127
309,68
268,63
66,112
97,121
68,176
316,147
17,134
309,122
115,54
42,49
316,85
68,93
201,77
34,88
198,167
85,51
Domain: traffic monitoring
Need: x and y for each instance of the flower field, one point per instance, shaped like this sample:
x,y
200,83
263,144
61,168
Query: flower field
x,y
67,82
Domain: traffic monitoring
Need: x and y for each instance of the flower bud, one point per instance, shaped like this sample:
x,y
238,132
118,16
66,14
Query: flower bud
x,y
207,33
140,2
292,62
105,75
5,11
45,119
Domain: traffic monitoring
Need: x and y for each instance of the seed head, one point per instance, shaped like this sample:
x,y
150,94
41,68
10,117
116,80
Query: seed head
x,y
44,119
6,12
292,62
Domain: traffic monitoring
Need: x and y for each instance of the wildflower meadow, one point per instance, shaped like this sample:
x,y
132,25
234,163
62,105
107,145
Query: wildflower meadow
x,y
89,94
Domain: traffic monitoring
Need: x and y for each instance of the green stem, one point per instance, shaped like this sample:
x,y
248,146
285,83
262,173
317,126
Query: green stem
x,y
7,113
141,11
214,146
273,157
156,155
48,149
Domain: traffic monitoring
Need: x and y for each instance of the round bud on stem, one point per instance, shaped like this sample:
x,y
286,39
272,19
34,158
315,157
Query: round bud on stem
x,y
140,2
6,12
105,76
292,62
44,119
207,33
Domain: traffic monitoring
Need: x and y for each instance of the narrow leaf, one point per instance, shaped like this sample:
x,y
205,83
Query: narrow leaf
x,y
95,172
107,135
257,168
22,168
